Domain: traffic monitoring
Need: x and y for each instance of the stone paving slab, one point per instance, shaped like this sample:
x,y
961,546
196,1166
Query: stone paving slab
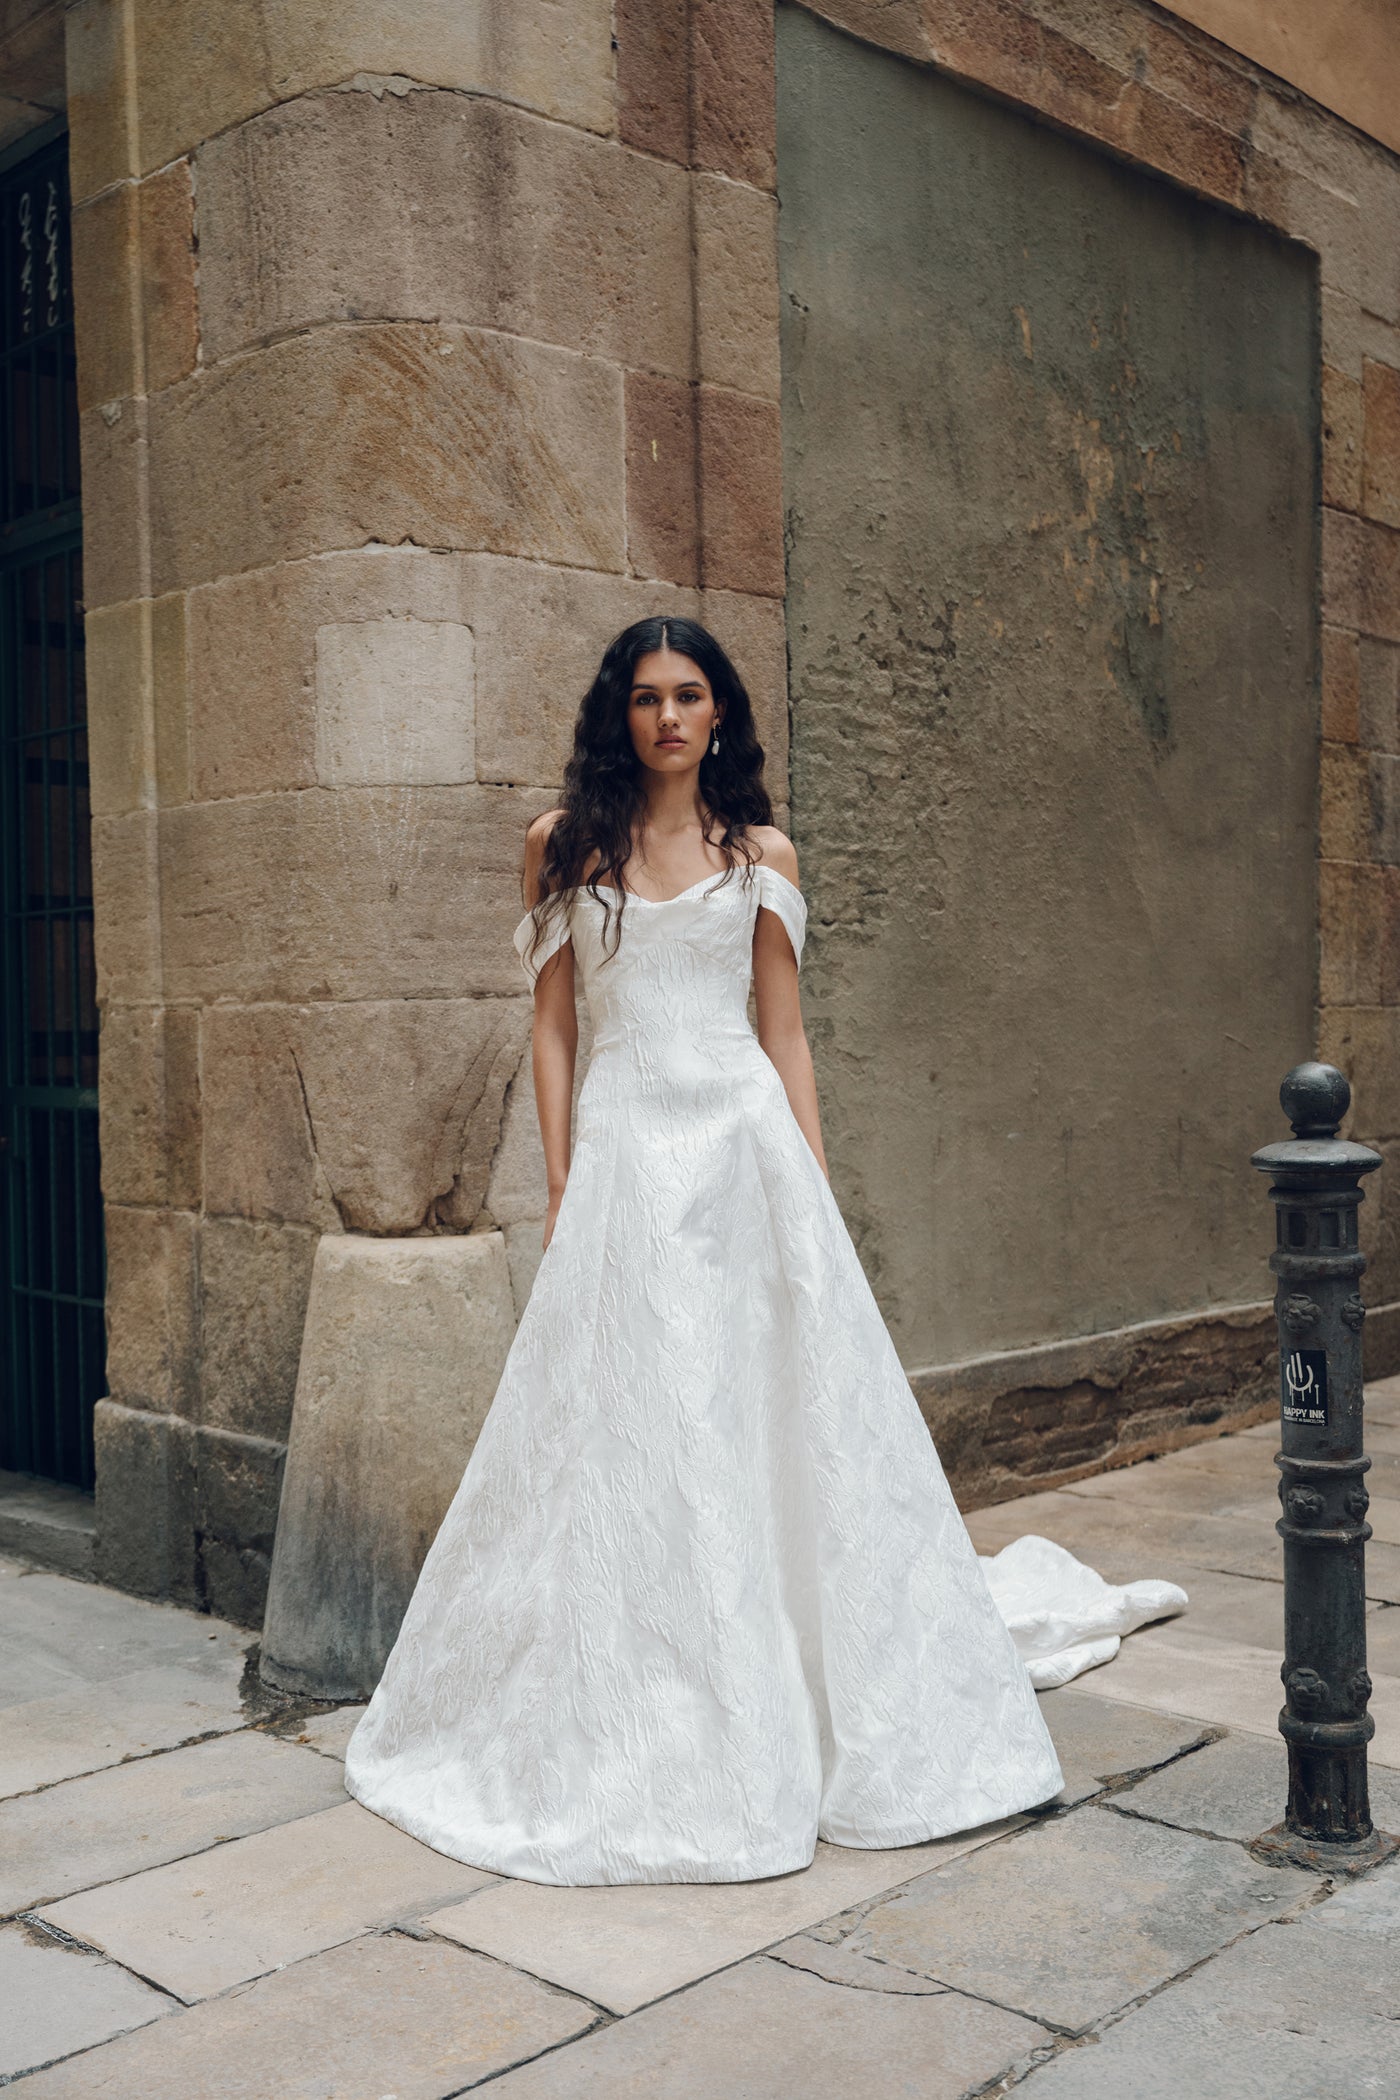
x,y
1100,1740
56,1999
1226,1683
1301,2011
234,1913
1072,1918
138,1816
841,1962
56,1628
329,1733
1093,1528
624,1946
1237,1788
766,2031
382,2018
46,1740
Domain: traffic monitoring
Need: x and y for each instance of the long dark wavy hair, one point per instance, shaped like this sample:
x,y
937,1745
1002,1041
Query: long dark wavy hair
x,y
604,797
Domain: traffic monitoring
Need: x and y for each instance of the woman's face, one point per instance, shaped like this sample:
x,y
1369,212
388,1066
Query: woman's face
x,y
671,713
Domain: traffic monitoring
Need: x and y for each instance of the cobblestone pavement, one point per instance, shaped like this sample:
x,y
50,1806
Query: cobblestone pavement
x,y
192,1910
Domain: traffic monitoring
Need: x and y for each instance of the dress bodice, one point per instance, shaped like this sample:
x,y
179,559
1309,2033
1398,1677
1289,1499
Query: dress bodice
x,y
683,964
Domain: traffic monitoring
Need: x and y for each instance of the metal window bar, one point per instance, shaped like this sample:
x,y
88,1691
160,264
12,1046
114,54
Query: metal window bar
x,y
51,1253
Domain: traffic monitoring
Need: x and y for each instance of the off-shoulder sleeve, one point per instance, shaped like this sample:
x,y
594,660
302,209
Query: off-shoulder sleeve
x,y
786,899
556,932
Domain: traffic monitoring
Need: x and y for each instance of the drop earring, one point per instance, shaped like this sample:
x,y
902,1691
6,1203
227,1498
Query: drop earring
x,y
714,743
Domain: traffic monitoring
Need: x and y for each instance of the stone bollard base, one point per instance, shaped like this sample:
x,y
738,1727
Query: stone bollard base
x,y
401,1353
1282,1847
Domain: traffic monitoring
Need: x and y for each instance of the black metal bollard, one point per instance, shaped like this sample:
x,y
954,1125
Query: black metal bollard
x,y
1317,1193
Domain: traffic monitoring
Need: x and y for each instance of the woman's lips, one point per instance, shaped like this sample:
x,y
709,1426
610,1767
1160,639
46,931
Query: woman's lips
x,y
670,743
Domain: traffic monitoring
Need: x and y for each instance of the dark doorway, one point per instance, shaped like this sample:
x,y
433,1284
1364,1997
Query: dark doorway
x,y
51,1255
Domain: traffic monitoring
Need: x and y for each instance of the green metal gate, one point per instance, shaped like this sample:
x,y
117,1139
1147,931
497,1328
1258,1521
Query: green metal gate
x,y
51,1278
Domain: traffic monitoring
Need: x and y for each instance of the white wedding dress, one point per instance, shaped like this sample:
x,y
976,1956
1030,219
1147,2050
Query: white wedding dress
x,y
703,1594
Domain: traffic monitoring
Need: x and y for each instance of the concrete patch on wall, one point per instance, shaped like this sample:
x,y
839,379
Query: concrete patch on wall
x,y
1051,435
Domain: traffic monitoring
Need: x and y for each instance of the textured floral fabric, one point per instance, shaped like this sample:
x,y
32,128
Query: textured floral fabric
x,y
703,1594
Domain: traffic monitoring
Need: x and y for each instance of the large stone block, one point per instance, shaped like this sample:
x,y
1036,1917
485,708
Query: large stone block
x,y
363,1117
403,1350
238,1480
753,632
437,207
145,1502
663,519
115,454
732,90
1352,920
121,745
741,506
126,906
149,1106
101,110
395,703
1360,574
736,286
151,1352
359,893
134,287
254,1279
444,436
254,660
1378,695
198,75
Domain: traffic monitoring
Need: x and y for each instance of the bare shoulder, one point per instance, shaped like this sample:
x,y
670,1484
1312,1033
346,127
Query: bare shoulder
x,y
775,849
539,828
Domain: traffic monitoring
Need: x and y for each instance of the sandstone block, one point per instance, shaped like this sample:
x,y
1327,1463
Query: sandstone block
x,y
653,58
116,515
1341,440
32,55
733,89
1380,493
169,320
1344,823
1360,575
1365,1043
551,55
253,655
149,1106
741,493
358,893
404,1345
395,703
145,1504
1378,695
238,1480
662,520
126,906
170,697
1390,943
151,1308
437,207
1341,686
121,753
540,633
754,633
254,1279
1352,913
105,262
363,1117
100,109
1383,772
444,436
736,285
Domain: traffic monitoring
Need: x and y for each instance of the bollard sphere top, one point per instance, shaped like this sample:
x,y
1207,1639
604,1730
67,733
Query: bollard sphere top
x,y
1315,1098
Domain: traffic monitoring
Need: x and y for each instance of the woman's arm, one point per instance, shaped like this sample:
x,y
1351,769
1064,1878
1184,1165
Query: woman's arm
x,y
779,1005
555,1042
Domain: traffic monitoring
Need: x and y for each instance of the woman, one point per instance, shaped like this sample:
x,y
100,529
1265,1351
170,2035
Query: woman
x,y
703,1594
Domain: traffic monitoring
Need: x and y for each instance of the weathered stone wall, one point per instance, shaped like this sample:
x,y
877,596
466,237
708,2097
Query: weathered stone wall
x,y
395,407
1152,93
503,375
